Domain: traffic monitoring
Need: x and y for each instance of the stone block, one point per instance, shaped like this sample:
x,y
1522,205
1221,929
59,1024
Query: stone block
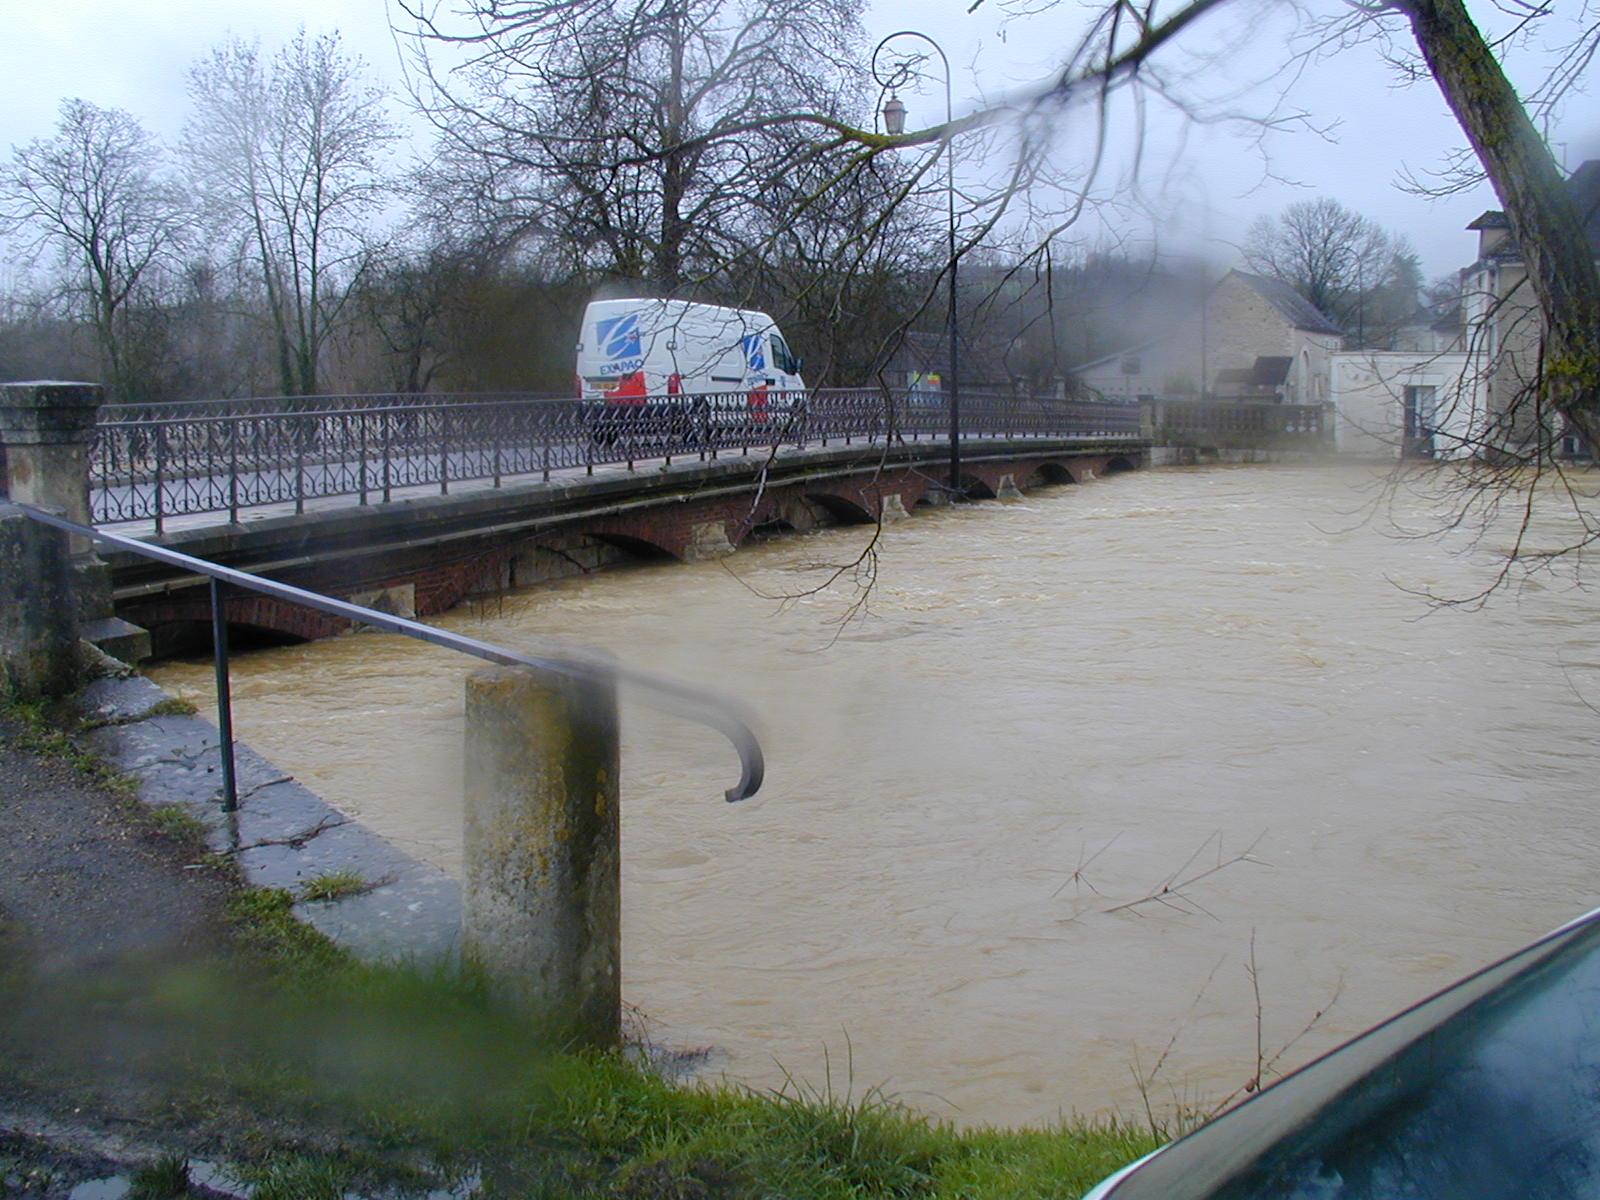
x,y
48,412
707,539
397,601
892,508
122,640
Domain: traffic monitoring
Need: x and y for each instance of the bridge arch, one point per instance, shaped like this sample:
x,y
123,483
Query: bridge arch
x,y
1119,464
976,487
634,545
1052,473
846,510
770,525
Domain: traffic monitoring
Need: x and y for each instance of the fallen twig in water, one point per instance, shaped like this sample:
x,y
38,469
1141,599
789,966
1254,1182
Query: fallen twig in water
x,y
1078,879
1172,892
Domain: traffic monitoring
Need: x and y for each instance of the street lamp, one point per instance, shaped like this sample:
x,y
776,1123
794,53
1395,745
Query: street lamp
x,y
894,122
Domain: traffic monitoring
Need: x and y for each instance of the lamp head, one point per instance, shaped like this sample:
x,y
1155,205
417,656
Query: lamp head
x,y
894,116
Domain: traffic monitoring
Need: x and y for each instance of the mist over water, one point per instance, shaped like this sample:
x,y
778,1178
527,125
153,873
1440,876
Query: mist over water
x,y
1053,706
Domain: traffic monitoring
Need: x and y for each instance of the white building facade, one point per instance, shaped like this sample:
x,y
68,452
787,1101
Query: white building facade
x,y
1407,403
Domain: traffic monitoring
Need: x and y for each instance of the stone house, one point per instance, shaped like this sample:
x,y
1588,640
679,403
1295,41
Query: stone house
x,y
1503,324
1254,338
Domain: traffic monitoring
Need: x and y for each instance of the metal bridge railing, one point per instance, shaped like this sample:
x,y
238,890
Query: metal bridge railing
x,y
679,699
152,462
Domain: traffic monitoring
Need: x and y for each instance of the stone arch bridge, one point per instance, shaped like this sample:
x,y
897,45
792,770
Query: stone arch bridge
x,y
422,556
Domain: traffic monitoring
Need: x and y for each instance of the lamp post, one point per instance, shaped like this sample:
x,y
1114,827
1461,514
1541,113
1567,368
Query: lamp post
x,y
894,122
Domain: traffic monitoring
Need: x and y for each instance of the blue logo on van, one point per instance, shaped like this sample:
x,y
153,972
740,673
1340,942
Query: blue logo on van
x,y
755,359
619,337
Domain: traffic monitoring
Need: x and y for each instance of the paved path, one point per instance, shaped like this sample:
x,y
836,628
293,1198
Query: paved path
x,y
82,883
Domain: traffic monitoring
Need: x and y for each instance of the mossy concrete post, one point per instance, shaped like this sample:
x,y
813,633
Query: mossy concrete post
x,y
47,428
38,618
542,889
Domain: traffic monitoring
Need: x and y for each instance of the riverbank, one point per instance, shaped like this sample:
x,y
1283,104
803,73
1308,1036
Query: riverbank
x,y
155,1011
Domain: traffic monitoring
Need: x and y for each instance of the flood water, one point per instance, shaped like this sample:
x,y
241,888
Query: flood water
x,y
1052,708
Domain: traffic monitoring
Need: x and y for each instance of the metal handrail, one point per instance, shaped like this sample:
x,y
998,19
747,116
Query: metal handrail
x,y
666,695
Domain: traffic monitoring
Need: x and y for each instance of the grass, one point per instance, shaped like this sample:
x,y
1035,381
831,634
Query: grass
x,y
173,822
418,1077
298,1177
335,885
165,1179
172,706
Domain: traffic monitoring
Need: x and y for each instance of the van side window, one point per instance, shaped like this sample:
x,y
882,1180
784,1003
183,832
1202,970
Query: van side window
x,y
781,356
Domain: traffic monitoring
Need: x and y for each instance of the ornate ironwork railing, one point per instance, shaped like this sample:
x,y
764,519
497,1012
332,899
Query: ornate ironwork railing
x,y
152,462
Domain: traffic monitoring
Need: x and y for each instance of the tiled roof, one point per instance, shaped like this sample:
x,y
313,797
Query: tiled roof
x,y
1299,311
1583,186
1269,371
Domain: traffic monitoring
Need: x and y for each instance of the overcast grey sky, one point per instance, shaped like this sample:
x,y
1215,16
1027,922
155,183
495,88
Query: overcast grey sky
x,y
134,54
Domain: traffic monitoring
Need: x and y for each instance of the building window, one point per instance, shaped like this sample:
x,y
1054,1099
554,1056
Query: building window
x,y
1419,410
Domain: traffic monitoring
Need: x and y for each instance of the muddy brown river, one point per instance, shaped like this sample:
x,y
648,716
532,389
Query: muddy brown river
x,y
950,886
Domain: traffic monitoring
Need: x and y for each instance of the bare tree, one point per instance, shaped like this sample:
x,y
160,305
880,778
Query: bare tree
x,y
286,157
96,196
412,306
632,134
1341,261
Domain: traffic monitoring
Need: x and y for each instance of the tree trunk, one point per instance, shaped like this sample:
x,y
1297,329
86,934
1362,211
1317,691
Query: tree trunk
x,y
1547,230
669,257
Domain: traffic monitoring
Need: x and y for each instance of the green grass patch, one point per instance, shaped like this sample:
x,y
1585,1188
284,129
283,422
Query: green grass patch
x,y
263,926
165,1179
413,1077
335,885
173,822
172,706
45,729
298,1177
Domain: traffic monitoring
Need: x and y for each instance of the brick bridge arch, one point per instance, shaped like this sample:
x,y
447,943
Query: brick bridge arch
x,y
424,580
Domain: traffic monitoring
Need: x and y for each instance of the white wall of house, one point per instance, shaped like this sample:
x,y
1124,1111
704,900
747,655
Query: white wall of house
x,y
1372,391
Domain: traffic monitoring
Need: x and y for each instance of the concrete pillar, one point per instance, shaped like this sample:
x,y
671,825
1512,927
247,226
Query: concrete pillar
x,y
46,428
1008,489
542,893
1151,418
892,508
38,619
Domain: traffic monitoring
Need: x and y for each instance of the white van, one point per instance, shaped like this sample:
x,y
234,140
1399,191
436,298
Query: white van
x,y
630,349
